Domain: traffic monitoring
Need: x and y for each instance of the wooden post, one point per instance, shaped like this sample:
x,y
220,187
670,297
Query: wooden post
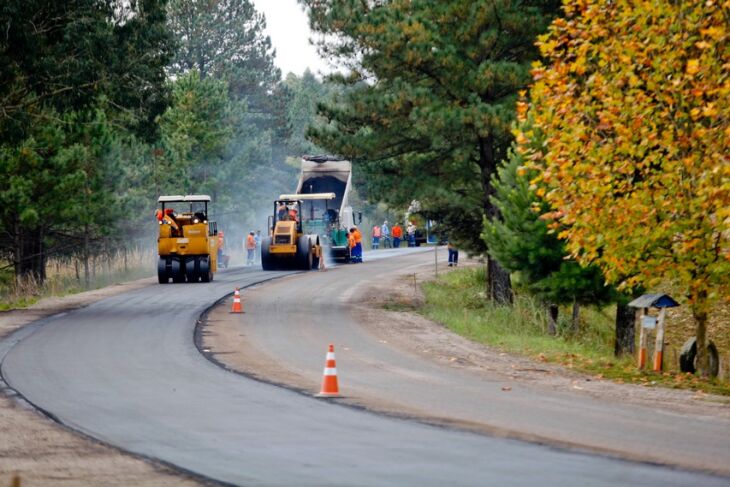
x,y
643,342
436,259
659,344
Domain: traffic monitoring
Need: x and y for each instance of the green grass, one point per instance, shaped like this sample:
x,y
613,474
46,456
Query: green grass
x,y
458,300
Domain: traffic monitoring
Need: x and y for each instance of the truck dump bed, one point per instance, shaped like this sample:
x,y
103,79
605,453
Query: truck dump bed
x,y
329,174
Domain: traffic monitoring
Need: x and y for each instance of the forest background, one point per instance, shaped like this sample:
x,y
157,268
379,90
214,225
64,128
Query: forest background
x,y
599,182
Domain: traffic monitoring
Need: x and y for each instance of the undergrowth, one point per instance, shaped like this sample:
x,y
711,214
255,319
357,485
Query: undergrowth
x,y
458,300
66,276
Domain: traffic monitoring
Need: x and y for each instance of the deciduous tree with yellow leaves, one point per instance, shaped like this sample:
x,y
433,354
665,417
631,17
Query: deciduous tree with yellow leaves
x,y
633,99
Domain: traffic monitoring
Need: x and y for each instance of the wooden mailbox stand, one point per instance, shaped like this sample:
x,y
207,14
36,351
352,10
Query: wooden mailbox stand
x,y
661,302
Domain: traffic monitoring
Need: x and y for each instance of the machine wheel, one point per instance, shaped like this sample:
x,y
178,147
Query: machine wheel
x,y
162,276
304,253
177,271
192,269
267,261
688,357
206,274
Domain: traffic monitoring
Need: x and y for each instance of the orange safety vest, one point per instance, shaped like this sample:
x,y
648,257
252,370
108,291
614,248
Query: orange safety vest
x,y
376,231
350,240
250,242
397,231
220,241
358,236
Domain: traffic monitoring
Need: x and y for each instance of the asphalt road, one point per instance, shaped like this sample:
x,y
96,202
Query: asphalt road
x,y
125,370
375,368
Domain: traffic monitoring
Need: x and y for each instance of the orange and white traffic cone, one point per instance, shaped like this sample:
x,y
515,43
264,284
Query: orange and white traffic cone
x,y
237,306
329,381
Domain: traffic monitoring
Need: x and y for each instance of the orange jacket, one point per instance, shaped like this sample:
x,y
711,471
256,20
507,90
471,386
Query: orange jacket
x,y
350,240
250,242
357,235
397,231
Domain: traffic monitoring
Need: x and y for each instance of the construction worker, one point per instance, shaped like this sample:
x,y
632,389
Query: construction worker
x,y
397,233
411,232
350,244
453,255
385,230
357,251
293,214
376,237
281,212
257,239
250,248
221,244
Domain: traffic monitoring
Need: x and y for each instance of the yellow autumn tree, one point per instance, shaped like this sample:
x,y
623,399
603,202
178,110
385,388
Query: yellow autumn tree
x,y
633,99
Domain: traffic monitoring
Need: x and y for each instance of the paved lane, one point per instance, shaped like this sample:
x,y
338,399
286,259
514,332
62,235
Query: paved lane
x,y
125,371
376,368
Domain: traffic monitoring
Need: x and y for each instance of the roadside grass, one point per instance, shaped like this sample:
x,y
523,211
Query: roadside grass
x,y
66,276
458,300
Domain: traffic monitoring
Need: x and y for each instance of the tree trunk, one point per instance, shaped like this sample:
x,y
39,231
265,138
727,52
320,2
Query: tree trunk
x,y
575,319
553,311
30,260
625,331
499,286
699,312
87,274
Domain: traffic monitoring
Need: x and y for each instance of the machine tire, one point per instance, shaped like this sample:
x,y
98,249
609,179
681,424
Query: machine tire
x,y
304,253
688,357
192,269
162,276
267,261
177,271
206,274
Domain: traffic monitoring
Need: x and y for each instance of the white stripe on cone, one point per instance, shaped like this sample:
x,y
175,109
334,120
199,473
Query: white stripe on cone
x,y
330,371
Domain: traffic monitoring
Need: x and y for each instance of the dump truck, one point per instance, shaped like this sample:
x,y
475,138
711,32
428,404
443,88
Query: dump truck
x,y
292,243
329,218
188,242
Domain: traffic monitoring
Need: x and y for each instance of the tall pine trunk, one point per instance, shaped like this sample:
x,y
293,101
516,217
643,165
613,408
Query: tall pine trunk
x,y
30,259
499,285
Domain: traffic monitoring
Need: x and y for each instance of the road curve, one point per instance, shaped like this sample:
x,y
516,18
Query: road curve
x,y
288,321
125,370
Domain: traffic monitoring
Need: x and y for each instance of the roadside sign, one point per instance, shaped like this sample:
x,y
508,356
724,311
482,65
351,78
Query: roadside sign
x,y
648,322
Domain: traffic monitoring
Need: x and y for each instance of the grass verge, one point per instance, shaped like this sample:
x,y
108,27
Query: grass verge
x,y
458,301
66,276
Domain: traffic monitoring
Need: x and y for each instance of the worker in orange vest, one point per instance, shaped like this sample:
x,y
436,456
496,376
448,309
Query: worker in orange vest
x,y
250,248
357,251
350,244
397,232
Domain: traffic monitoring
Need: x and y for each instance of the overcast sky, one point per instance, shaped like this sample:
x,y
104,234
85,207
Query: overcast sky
x,y
288,27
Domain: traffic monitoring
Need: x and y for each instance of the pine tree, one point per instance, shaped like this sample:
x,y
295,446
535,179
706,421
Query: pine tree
x,y
522,242
60,63
430,102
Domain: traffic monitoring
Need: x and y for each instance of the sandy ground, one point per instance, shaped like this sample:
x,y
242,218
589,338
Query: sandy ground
x,y
224,340
38,452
